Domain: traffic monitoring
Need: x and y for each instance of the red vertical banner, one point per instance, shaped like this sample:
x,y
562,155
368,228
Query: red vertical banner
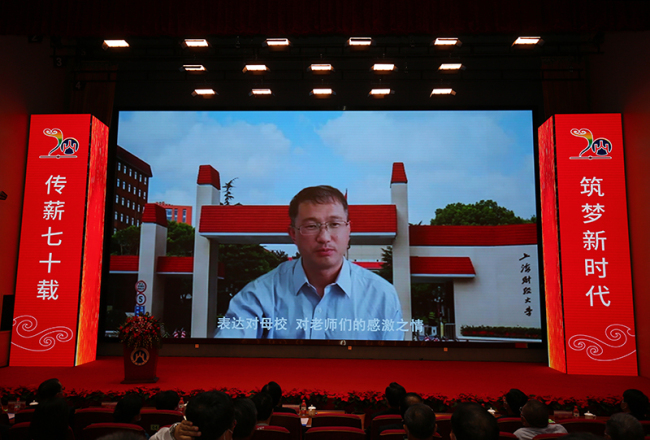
x,y
57,286
587,257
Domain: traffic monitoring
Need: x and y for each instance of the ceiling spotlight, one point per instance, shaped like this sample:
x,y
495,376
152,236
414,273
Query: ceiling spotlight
x,y
204,93
322,92
383,67
360,42
195,42
114,43
528,41
380,93
451,67
277,42
196,68
443,91
261,93
321,68
255,68
447,42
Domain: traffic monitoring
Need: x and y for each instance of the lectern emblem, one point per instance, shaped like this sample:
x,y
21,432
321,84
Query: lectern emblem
x,y
140,356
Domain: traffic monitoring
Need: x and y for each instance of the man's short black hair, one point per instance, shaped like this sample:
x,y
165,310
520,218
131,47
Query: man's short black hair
x,y
48,389
167,400
408,400
273,388
394,394
470,421
623,426
246,416
127,409
50,420
212,412
316,194
516,399
420,421
536,413
264,405
637,402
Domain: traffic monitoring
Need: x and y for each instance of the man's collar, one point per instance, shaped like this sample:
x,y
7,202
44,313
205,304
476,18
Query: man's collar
x,y
344,281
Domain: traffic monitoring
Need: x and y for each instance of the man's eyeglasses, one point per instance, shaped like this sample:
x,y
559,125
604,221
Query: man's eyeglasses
x,y
314,228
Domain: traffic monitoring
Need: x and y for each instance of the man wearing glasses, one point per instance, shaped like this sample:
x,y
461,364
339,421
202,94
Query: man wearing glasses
x,y
321,295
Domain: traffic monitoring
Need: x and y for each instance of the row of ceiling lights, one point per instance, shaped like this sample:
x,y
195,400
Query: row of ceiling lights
x,y
323,68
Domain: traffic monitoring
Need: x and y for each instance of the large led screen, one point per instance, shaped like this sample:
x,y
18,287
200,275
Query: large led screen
x,y
408,225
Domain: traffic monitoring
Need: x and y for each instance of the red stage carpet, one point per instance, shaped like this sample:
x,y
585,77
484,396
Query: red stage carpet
x,y
448,379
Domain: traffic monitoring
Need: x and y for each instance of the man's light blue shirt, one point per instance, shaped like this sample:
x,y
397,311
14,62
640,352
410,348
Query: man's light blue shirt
x,y
283,305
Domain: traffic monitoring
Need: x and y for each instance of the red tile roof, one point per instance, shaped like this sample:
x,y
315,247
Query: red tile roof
x,y
399,173
134,161
275,219
124,263
370,265
154,213
175,264
208,176
504,235
442,266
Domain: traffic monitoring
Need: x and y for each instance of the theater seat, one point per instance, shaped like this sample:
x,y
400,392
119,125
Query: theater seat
x,y
271,433
509,424
596,427
320,420
646,427
443,425
392,434
87,416
24,415
548,436
153,419
381,421
335,432
98,430
20,431
503,435
289,421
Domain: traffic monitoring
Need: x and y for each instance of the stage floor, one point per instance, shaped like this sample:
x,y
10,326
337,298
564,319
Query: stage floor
x,y
444,378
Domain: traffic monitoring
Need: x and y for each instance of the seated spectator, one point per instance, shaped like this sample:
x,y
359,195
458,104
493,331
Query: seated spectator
x,y
623,426
470,421
128,409
407,401
394,394
49,389
419,422
273,388
167,400
513,401
246,418
264,405
210,416
534,416
50,420
635,403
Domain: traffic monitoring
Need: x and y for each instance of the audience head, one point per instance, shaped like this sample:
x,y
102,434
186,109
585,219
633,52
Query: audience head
x,y
514,400
394,394
635,403
246,417
127,409
213,413
470,421
419,422
50,420
49,389
167,400
264,406
535,414
409,400
273,388
624,426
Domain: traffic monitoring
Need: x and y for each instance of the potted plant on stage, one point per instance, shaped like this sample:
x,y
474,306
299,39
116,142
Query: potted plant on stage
x,y
141,336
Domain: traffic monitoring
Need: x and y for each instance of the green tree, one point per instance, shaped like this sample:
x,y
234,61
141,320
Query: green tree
x,y
180,239
227,195
386,270
485,212
126,241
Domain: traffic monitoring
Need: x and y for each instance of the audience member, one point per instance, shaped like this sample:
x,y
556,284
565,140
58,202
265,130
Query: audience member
x,y
635,403
419,422
49,389
513,401
210,416
167,400
624,426
246,418
407,401
50,420
128,409
273,388
394,394
264,406
470,421
534,416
